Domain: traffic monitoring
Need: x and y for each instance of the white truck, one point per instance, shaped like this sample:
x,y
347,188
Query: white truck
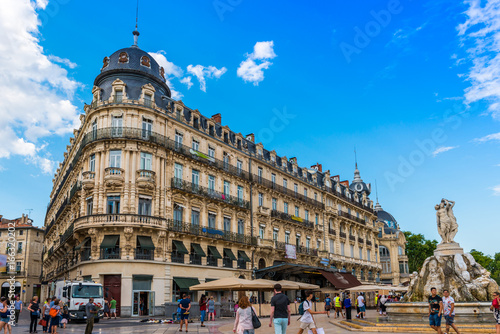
x,y
76,294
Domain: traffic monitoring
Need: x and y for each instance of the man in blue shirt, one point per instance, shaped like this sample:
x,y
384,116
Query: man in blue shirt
x,y
185,306
18,307
347,306
328,305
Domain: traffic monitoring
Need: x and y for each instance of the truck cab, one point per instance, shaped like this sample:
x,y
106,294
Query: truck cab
x,y
76,294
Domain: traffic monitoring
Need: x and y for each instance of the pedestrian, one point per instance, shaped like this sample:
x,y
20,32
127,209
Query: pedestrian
x,y
383,307
328,305
280,311
243,321
185,306
61,305
4,315
34,309
90,311
376,302
106,309
307,320
211,308
338,306
347,306
449,311
18,308
45,314
435,310
141,306
112,307
495,307
54,316
65,316
362,307
203,309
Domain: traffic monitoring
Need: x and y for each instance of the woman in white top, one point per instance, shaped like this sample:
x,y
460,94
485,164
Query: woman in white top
x,y
243,322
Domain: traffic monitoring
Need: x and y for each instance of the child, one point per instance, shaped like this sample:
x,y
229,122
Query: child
x,y
65,317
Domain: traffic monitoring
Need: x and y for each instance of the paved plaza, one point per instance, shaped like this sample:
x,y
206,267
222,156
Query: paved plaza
x,y
225,326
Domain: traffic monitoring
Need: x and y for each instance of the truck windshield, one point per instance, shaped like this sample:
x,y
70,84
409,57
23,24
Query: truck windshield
x,y
87,291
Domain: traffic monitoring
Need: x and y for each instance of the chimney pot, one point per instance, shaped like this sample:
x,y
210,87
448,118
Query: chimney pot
x,y
217,118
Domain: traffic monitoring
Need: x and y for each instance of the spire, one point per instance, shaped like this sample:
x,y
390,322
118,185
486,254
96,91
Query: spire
x,y
357,176
136,32
377,207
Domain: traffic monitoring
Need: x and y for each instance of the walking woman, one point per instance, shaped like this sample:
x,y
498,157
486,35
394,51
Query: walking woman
x,y
211,308
383,307
243,322
45,314
4,315
203,309
34,309
106,309
495,307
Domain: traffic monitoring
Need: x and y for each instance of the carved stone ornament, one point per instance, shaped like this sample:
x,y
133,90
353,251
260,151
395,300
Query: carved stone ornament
x,y
105,62
145,61
162,72
128,232
123,57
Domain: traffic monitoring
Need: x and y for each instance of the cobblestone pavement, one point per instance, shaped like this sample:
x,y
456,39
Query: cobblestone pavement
x,y
224,326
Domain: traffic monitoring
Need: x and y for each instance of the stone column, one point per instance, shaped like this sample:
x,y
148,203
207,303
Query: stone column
x,y
131,191
128,176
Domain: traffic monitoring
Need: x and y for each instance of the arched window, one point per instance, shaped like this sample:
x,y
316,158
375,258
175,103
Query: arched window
x,y
262,264
385,259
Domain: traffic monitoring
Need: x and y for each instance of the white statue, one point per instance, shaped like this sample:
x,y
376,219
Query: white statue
x,y
446,221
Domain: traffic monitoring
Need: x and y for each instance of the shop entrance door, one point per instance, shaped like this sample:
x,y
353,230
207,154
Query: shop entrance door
x,y
143,303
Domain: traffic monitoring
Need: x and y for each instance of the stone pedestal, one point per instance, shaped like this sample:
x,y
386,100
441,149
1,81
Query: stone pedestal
x,y
474,312
449,249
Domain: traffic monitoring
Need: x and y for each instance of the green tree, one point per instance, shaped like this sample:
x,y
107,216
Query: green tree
x,y
418,248
490,263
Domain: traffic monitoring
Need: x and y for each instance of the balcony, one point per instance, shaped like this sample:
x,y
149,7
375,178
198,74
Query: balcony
x,y
227,262
241,264
114,177
194,259
189,187
360,240
210,233
119,219
333,191
293,219
177,257
343,235
272,185
211,261
110,253
351,217
331,231
144,254
145,179
352,238
307,251
88,180
85,254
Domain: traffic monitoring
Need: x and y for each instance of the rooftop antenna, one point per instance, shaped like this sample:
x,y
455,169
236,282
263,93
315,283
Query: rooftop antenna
x,y
376,190
29,211
136,32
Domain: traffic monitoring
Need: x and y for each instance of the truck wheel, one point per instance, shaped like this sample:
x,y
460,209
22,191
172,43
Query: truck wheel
x,y
96,320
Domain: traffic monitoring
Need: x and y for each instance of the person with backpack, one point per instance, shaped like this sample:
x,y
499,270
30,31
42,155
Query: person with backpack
x,y
306,314
280,311
54,316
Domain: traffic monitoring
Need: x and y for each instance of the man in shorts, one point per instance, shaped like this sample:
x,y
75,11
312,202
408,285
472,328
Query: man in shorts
x,y
449,311
328,305
495,307
362,307
307,320
435,311
185,306
112,307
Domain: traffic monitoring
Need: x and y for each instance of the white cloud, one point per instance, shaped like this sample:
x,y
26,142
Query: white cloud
x,y
201,72
35,91
496,190
482,30
493,136
171,71
252,68
187,81
443,149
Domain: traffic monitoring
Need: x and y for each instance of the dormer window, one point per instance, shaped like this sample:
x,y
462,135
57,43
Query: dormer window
x,y
148,99
123,57
118,96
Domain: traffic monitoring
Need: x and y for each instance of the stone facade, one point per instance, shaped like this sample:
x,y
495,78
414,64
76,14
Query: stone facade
x,y
152,196
28,256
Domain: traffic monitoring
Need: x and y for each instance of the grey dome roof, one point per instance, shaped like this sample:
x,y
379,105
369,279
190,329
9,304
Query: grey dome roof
x,y
387,218
358,185
133,63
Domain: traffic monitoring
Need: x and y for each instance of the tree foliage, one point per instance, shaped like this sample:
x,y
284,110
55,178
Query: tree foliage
x,y
490,263
418,248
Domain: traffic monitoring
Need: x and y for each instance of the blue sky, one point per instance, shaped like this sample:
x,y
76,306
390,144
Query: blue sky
x,y
413,85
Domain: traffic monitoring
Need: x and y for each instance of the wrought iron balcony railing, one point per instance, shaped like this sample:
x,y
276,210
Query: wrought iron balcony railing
x,y
293,219
144,254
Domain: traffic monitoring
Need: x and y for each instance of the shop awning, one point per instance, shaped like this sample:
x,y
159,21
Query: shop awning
x,y
341,280
215,252
180,247
82,243
243,255
198,250
109,241
229,253
185,283
145,242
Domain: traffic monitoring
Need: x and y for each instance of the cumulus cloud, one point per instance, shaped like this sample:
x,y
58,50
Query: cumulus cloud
x,y
481,35
201,72
496,190
171,71
187,82
493,136
36,92
252,68
442,149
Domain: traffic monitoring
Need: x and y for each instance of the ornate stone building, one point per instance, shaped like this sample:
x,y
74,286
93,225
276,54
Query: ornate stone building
x,y
27,266
153,197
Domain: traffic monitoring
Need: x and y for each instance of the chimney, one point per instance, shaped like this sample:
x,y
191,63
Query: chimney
x,y
318,167
250,137
217,118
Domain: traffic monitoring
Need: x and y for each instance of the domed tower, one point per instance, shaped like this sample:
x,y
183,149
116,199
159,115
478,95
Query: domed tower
x,y
358,185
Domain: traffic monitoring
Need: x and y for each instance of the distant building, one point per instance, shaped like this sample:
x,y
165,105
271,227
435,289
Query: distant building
x,y
153,197
392,249
28,259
